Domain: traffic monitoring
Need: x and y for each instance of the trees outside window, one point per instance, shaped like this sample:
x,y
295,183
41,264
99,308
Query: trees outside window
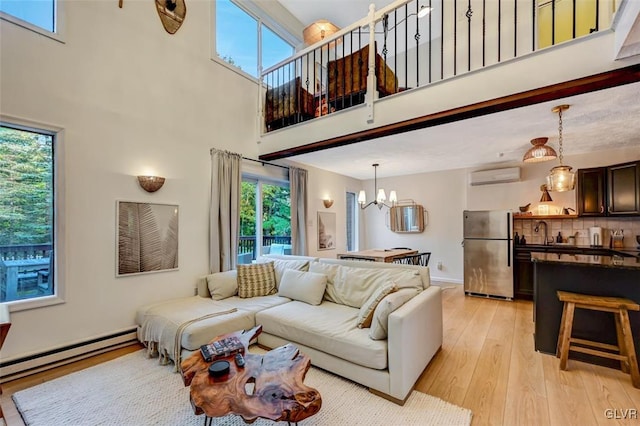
x,y
265,219
26,213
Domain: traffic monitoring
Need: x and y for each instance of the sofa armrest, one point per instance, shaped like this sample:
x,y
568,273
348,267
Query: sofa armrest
x,y
415,335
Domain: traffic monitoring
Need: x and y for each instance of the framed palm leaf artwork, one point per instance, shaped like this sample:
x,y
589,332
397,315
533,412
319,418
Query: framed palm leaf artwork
x,y
147,239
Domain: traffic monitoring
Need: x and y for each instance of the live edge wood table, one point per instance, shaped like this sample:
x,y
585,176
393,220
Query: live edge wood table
x,y
269,386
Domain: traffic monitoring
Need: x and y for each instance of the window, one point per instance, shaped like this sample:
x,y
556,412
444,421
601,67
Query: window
x,y
244,41
26,213
352,210
265,219
32,14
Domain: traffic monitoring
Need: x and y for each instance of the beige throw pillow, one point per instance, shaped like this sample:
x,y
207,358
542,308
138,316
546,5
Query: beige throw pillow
x,y
306,287
380,321
256,280
365,315
223,284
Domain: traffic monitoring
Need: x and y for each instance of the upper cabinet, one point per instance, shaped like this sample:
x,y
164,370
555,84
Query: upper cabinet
x,y
609,191
623,185
591,188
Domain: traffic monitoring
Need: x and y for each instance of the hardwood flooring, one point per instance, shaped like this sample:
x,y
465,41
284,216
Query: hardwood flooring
x,y
487,364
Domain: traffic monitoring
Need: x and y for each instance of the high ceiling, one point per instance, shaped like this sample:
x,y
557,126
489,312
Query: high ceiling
x,y
602,120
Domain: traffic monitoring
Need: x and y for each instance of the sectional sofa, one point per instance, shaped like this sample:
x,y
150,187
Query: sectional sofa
x,y
318,306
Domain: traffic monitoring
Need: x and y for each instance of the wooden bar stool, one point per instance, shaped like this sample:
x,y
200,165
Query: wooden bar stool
x,y
619,307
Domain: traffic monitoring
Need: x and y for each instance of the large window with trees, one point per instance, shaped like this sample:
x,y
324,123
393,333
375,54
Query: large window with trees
x,y
265,219
26,213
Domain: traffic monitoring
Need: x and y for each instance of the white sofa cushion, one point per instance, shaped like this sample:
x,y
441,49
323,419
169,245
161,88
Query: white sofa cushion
x,y
304,286
423,271
380,320
254,304
223,284
328,327
281,265
365,315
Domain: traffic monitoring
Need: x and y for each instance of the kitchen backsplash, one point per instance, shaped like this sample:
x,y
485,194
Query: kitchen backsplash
x,y
579,227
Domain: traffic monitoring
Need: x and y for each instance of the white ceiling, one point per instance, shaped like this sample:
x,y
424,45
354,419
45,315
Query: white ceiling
x,y
602,120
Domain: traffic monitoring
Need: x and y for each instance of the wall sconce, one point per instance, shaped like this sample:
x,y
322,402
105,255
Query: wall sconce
x,y
328,202
151,183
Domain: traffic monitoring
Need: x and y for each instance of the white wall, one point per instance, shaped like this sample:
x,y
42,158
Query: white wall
x,y
446,194
131,99
323,184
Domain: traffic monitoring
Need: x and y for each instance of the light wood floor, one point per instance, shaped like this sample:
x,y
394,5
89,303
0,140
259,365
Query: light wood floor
x,y
487,364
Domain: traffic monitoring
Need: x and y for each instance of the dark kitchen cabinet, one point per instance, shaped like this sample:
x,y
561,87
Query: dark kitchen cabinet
x,y
591,191
523,275
623,186
609,191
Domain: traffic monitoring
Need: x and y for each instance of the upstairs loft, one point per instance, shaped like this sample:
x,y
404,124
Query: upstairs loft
x,y
463,59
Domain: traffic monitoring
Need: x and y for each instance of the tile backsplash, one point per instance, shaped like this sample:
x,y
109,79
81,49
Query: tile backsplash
x,y
579,227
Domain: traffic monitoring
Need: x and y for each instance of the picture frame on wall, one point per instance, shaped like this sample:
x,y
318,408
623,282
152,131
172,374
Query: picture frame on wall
x,y
147,237
326,231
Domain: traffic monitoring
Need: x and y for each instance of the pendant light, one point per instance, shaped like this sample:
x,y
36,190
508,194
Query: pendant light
x,y
381,197
540,151
561,178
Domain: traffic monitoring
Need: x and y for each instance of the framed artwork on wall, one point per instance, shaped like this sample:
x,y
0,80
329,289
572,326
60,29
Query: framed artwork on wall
x,y
326,231
147,238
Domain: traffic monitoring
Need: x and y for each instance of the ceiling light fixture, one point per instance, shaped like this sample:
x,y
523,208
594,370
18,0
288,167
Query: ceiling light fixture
x,y
424,11
318,31
561,178
381,197
539,151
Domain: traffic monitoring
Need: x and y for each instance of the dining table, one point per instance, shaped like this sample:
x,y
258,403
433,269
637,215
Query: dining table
x,y
377,255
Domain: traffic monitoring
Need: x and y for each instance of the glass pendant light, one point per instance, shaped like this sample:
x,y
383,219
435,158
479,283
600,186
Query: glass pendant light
x,y
561,178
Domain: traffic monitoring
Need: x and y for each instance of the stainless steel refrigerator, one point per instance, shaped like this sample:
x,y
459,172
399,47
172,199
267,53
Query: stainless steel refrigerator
x,y
488,253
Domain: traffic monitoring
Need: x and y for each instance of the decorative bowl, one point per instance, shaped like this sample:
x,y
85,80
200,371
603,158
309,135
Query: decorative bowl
x,y
524,208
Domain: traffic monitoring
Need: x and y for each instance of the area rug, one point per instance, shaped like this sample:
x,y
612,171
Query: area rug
x,y
135,391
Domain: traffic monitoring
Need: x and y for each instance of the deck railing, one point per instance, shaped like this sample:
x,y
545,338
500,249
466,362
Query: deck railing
x,y
24,251
405,51
247,244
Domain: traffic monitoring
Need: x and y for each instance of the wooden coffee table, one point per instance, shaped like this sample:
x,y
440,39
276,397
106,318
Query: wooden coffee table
x,y
269,386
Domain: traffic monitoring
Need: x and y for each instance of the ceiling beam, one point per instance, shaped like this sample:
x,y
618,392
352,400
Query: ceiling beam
x,y
605,80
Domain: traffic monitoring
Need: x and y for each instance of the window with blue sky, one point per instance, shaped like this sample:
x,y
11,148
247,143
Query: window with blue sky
x,y
237,39
40,13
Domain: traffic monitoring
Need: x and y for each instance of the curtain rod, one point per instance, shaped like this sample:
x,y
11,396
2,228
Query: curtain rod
x,y
266,163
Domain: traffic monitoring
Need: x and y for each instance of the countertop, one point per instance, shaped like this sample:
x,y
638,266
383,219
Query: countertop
x,y
617,262
603,251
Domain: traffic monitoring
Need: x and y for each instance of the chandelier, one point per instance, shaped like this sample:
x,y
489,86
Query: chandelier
x,y
561,178
381,197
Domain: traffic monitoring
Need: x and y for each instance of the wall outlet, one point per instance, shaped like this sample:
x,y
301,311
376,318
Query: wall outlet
x,y
439,266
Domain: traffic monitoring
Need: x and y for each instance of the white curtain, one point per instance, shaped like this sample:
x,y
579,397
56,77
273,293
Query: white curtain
x,y
298,189
224,214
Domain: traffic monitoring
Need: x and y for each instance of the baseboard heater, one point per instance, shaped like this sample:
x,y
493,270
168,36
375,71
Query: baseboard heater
x,y
20,367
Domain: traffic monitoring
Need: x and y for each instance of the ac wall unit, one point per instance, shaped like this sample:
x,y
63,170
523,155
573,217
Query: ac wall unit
x,y
487,177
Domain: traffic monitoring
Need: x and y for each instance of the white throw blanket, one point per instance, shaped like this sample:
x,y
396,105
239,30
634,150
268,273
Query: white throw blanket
x,y
163,325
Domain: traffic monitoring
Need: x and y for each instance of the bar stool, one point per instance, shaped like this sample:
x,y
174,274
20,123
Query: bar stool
x,y
619,307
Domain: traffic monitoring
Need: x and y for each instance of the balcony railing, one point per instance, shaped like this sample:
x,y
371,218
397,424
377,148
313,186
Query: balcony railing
x,y
25,271
248,251
404,51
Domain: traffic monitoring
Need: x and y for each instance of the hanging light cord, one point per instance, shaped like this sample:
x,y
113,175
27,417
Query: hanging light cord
x,y
560,133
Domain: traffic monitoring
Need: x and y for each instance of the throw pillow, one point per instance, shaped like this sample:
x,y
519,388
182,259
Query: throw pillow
x,y
306,287
223,284
281,265
256,280
366,311
380,321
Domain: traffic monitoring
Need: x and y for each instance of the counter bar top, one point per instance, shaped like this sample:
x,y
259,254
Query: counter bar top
x,y
617,262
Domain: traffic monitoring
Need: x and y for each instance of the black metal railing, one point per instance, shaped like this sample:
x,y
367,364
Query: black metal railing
x,y
247,244
411,51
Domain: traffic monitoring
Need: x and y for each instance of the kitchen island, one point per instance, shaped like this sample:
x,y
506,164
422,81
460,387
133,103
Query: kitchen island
x,y
597,275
